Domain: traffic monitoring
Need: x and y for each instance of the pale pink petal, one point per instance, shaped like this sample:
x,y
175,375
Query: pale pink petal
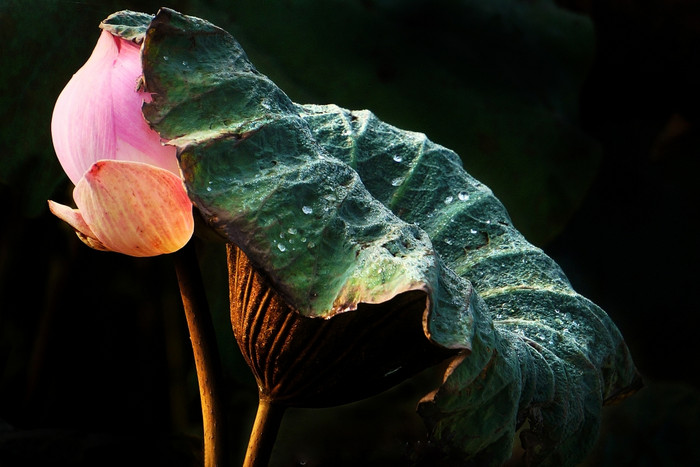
x,y
81,125
75,220
134,208
136,141
98,114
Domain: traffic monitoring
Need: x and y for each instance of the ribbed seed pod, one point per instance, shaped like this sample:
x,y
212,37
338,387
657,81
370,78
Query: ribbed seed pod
x,y
314,362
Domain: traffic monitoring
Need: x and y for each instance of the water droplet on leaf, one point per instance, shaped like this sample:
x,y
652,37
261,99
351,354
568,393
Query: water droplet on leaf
x,y
307,209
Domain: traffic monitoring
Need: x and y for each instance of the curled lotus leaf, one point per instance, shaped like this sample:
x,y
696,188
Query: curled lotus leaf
x,y
339,208
556,357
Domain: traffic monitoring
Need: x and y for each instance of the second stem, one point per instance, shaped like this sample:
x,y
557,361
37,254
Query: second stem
x,y
206,355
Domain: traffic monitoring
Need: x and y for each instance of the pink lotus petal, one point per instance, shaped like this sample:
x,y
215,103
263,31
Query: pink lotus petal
x,y
135,208
98,114
75,220
135,140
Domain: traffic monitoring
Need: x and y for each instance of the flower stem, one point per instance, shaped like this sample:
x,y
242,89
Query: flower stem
x,y
206,355
262,439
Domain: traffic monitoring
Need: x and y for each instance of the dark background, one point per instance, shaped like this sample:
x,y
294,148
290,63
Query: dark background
x,y
580,115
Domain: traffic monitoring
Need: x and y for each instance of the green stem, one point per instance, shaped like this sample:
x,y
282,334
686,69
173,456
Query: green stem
x,y
206,355
262,439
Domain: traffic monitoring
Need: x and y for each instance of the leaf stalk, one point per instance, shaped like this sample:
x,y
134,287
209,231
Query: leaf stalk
x,y
265,428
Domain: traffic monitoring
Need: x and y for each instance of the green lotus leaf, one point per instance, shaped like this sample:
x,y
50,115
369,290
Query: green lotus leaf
x,y
558,356
253,168
339,208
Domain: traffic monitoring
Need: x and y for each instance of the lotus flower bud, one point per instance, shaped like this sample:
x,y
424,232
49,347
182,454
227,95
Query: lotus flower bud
x,y
128,190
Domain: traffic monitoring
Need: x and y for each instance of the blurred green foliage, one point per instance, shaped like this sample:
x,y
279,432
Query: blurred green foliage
x,y
506,74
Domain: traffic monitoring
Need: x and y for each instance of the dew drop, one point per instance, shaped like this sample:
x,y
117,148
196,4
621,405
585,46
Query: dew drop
x,y
165,57
307,209
397,181
208,188
281,247
449,199
184,63
463,196
391,372
292,231
312,244
397,158
472,231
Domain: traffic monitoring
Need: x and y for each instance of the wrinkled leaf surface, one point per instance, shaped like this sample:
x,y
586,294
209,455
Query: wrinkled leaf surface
x,y
340,208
